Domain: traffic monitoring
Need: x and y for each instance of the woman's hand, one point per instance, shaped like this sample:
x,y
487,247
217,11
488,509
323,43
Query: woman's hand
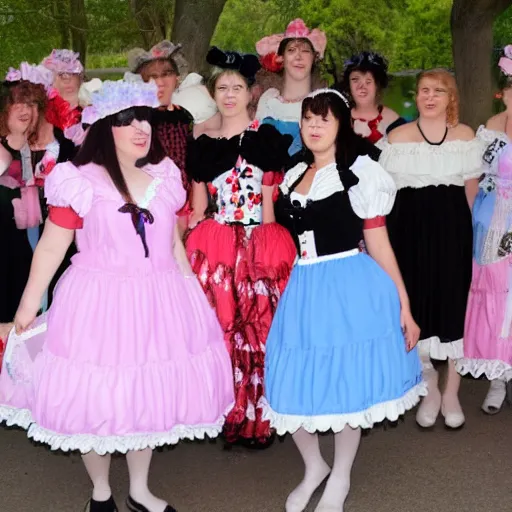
x,y
410,328
26,314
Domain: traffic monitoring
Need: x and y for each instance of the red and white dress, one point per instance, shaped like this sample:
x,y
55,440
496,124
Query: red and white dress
x,y
242,264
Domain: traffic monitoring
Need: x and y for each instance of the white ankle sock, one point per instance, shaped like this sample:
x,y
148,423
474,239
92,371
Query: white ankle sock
x,y
346,444
138,468
316,469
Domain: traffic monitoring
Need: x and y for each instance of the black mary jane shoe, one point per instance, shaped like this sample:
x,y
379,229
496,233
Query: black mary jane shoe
x,y
133,506
101,506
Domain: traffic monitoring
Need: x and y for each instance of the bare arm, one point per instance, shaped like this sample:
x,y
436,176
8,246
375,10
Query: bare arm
x,y
48,256
199,203
267,191
471,187
180,254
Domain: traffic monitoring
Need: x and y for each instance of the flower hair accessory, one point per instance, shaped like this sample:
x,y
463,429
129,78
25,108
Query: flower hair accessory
x,y
505,63
330,91
296,29
113,97
31,73
63,61
163,50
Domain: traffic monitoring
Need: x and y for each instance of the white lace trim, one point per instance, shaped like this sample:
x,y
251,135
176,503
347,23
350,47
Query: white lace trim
x,y
150,193
108,444
419,164
491,368
391,410
433,348
271,106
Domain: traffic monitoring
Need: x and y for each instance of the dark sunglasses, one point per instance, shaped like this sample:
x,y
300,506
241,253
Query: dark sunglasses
x,y
126,117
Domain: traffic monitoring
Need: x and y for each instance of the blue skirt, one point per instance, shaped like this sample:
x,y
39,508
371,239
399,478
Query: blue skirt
x,y
336,354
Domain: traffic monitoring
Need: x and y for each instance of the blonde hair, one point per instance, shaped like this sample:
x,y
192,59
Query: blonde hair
x,y
448,80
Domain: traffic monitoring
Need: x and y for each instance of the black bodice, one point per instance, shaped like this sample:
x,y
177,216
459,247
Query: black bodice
x,y
335,226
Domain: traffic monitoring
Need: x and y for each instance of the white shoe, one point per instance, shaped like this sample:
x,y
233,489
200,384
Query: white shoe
x,y
453,415
495,397
428,411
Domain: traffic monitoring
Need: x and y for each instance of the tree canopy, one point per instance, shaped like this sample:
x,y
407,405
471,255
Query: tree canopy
x,y
412,34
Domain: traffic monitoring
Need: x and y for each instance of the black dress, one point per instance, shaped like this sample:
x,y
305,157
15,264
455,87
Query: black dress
x,y
16,258
16,254
431,233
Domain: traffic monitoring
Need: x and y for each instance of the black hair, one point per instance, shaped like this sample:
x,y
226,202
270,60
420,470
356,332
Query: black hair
x,y
99,148
504,82
366,62
349,145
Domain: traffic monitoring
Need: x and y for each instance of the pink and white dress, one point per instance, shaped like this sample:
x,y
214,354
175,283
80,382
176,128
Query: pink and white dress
x,y
130,354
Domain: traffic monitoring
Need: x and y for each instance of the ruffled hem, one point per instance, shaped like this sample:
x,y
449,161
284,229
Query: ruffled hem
x,y
493,369
108,444
391,410
434,348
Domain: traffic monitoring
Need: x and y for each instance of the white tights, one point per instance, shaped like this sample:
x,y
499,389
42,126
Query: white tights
x,y
336,490
98,468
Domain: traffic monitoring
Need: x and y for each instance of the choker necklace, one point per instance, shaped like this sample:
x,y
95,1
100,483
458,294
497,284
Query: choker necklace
x,y
428,141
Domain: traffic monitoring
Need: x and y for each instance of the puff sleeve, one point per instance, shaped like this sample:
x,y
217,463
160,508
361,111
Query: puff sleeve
x,y
69,195
374,195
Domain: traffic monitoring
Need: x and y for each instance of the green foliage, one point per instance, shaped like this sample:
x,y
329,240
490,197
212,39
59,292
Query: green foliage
x,y
502,31
422,35
412,34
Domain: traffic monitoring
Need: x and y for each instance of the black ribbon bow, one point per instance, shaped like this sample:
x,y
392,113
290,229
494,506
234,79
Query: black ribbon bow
x,y
139,218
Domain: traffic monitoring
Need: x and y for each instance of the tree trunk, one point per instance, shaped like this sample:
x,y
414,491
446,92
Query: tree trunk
x,y
193,27
472,23
153,19
61,14
79,27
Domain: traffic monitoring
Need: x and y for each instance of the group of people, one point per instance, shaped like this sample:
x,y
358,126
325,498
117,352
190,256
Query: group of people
x,y
215,257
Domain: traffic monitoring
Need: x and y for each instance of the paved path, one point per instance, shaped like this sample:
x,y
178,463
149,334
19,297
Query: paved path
x,y
397,470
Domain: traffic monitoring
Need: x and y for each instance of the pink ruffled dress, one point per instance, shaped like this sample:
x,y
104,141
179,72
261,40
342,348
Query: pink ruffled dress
x,y
130,354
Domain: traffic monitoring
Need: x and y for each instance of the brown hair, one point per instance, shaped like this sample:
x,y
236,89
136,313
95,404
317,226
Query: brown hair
x,y
448,80
217,73
317,82
21,92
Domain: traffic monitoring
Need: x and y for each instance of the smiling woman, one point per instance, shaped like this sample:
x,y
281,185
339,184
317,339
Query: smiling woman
x,y
295,54
127,315
435,162
364,79
241,256
340,352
